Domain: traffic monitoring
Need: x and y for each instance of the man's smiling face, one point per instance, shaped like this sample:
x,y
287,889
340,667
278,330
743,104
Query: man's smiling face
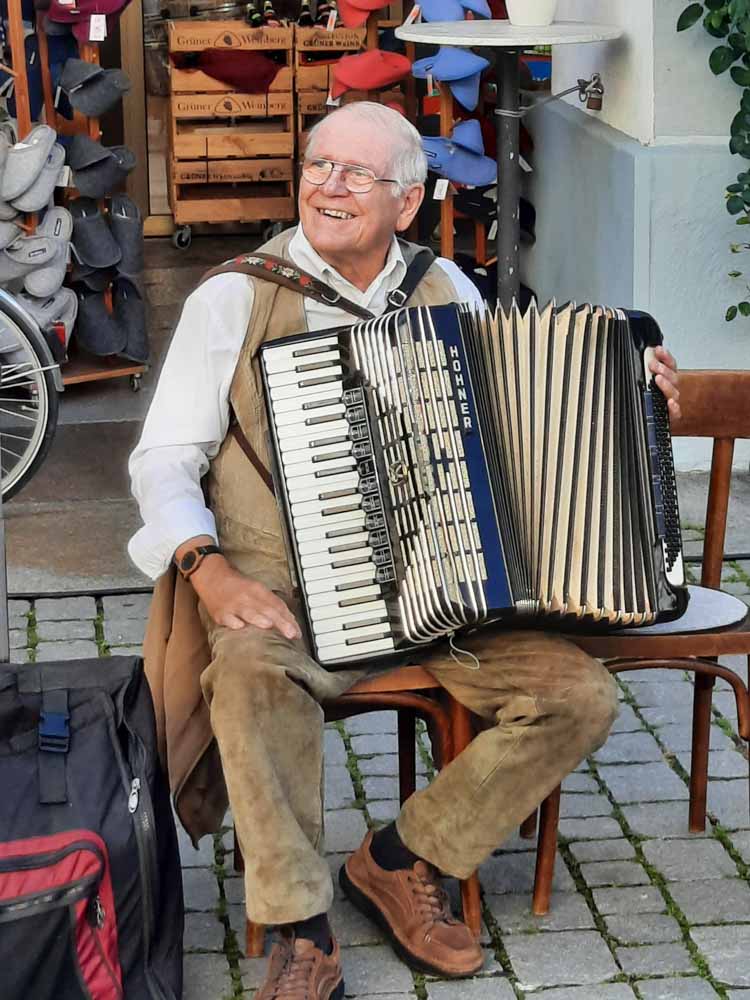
x,y
353,227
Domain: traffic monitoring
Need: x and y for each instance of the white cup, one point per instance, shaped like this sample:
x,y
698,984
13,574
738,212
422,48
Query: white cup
x,y
531,13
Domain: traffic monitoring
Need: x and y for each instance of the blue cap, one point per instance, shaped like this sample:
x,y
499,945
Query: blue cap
x,y
441,10
460,68
468,135
444,157
480,7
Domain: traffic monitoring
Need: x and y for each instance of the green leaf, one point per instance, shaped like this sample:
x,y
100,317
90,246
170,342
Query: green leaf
x,y
735,144
714,5
731,313
721,59
735,274
721,32
735,205
735,188
737,125
744,308
740,76
690,16
737,41
744,221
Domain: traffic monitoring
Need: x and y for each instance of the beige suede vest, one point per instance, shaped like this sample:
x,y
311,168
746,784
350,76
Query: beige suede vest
x,y
247,517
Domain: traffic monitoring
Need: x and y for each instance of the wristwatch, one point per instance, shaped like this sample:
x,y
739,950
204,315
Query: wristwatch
x,y
192,559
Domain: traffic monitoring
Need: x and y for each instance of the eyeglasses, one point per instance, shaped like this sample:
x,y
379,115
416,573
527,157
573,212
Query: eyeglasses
x,y
358,180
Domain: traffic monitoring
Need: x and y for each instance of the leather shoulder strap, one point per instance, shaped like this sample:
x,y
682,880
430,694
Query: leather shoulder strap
x,y
270,268
238,434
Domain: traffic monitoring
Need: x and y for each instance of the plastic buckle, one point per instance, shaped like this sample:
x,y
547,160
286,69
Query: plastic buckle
x,y
54,732
397,298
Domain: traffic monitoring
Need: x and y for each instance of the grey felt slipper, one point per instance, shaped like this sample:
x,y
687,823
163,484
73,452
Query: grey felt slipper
x,y
9,232
95,278
94,243
126,224
84,151
24,255
57,225
62,304
103,177
25,161
96,330
37,197
91,89
130,316
7,211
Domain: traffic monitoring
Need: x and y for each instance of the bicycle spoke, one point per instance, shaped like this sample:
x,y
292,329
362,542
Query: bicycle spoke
x,y
16,413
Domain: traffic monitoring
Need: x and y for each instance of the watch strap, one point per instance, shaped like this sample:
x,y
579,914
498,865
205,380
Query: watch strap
x,y
200,552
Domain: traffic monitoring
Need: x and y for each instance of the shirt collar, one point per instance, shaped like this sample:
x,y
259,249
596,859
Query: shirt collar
x,y
305,256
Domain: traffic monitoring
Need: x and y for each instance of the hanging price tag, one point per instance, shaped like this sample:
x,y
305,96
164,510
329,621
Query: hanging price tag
x,y
441,189
332,102
493,230
430,84
58,93
98,28
525,165
415,15
32,58
64,177
331,22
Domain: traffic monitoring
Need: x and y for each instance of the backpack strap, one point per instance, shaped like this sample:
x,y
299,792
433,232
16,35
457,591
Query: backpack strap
x,y
54,741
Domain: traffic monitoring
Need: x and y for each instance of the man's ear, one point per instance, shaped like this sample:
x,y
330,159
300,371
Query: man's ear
x,y
412,200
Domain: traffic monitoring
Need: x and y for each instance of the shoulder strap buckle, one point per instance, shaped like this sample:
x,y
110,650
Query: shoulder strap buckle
x,y
397,298
54,732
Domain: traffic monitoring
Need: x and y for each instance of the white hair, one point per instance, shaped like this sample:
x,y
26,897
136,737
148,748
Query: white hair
x,y
408,164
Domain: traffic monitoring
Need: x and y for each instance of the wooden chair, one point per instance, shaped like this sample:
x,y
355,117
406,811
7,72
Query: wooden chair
x,y
413,693
715,404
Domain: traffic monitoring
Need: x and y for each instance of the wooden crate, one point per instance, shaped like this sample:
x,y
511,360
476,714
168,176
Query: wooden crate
x,y
232,171
309,42
249,202
192,36
216,140
311,107
195,81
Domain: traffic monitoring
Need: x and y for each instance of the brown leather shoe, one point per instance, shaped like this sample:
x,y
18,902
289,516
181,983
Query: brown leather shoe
x,y
298,970
412,907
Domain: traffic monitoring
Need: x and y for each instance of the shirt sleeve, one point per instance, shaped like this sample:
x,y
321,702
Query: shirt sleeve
x,y
465,287
187,421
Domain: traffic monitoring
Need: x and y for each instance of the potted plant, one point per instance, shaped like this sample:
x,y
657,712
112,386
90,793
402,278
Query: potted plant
x,y
531,13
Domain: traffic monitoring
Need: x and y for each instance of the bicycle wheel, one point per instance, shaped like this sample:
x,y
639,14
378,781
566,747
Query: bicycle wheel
x,y
29,401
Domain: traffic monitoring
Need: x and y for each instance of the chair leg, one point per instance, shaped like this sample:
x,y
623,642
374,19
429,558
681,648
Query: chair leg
x,y
546,852
471,904
702,695
407,753
528,828
239,861
255,939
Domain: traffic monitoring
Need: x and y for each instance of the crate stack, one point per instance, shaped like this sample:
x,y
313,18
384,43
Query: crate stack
x,y
231,154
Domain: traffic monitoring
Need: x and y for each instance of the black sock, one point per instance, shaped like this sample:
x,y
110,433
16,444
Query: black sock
x,y
315,929
389,850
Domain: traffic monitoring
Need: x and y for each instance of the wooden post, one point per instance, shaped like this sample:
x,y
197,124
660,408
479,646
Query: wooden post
x,y
446,205
20,80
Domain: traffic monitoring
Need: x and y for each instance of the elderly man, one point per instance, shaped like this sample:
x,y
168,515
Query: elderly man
x,y
545,704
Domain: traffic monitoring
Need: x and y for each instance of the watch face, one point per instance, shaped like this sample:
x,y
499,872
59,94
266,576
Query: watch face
x,y
187,561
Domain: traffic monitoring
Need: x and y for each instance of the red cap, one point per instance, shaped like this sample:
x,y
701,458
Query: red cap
x,y
354,13
368,71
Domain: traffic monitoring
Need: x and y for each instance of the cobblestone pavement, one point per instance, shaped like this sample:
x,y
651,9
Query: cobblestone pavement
x,y
640,909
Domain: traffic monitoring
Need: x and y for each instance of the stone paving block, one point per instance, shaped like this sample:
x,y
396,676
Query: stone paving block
x,y
345,829
384,764
513,914
643,782
721,763
643,928
206,976
660,819
472,989
741,842
688,860
582,804
203,932
18,638
64,608
77,649
676,989
22,656
629,748
122,631
339,790
655,959
652,694
668,715
375,743
62,631
386,996
372,722
569,958
604,991
381,788
602,850
590,828
515,873
384,810
728,801
579,783
627,721
333,747
726,950
126,606
18,612
599,873
634,679
351,927
372,968
633,899
200,888
725,703
126,650
713,902
680,737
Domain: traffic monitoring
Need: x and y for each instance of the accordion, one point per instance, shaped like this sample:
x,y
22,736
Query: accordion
x,y
444,467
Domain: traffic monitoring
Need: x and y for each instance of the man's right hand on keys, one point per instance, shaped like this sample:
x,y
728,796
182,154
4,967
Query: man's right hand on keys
x,y
232,599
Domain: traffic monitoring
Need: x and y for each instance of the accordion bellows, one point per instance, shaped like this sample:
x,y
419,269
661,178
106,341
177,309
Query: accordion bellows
x,y
442,468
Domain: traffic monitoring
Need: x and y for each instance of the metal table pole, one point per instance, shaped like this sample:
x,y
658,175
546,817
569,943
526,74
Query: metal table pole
x,y
508,176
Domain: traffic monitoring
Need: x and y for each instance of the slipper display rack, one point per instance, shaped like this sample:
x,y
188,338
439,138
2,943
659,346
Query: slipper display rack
x,y
231,154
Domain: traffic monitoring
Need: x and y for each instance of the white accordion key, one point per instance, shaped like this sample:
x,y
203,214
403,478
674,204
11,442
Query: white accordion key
x,y
333,653
293,404
368,606
281,359
302,437
317,418
355,521
344,599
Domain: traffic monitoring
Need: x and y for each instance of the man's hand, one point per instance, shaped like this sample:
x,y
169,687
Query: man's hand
x,y
664,368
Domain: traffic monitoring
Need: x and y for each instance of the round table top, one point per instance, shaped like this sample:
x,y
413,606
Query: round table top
x,y
503,34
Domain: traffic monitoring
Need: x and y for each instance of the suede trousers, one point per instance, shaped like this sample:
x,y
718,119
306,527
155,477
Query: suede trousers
x,y
545,705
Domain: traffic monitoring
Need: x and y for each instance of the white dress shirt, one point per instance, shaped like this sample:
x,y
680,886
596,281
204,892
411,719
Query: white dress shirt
x,y
189,415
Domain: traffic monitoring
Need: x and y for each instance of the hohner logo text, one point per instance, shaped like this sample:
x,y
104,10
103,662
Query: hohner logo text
x,y
462,398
